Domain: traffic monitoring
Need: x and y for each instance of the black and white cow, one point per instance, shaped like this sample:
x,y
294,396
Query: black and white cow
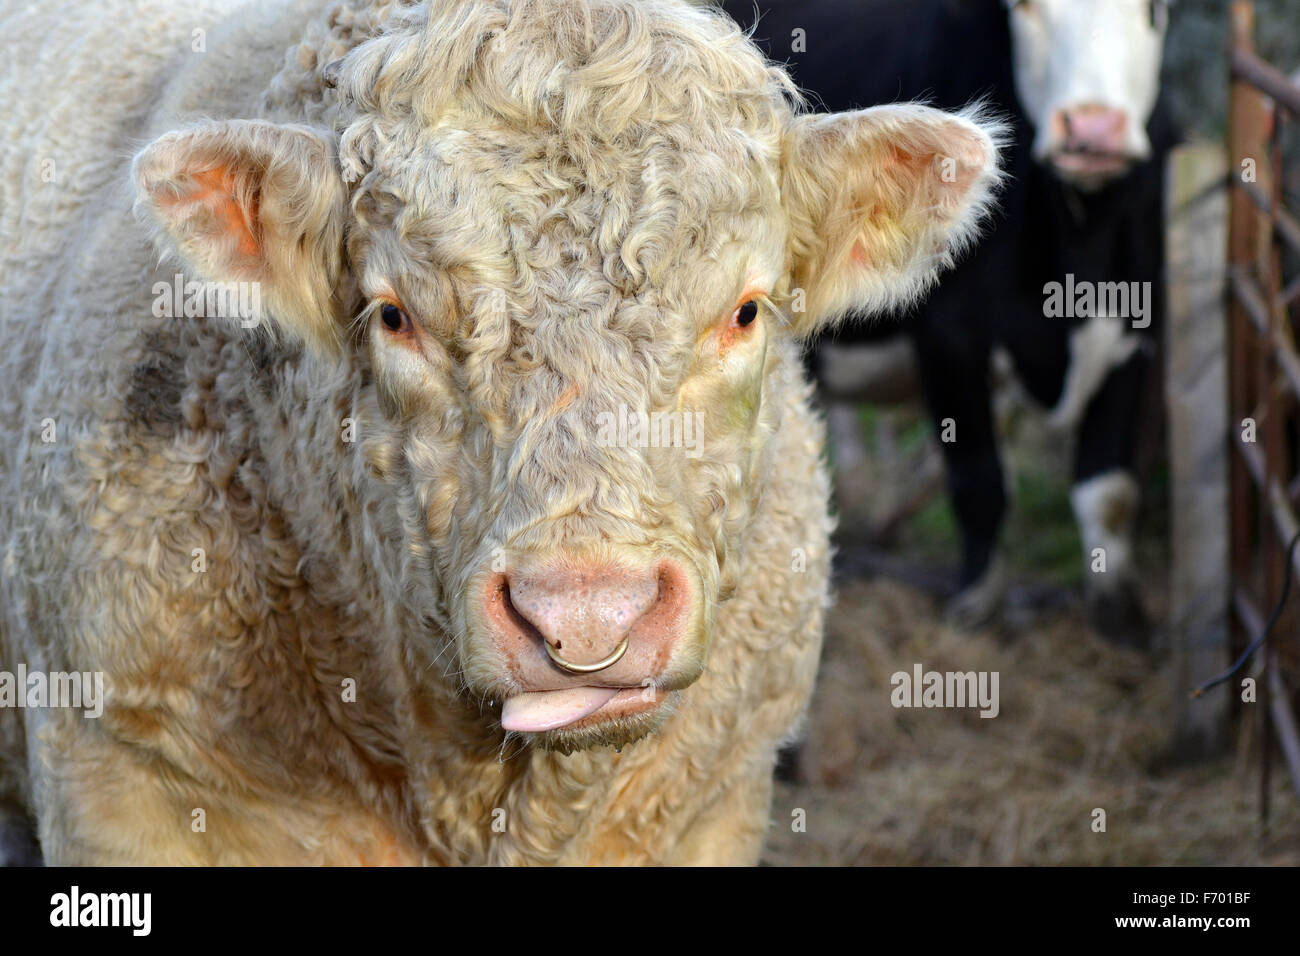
x,y
1067,281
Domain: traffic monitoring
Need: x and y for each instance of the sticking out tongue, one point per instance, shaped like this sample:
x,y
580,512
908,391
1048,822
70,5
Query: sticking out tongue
x,y
549,709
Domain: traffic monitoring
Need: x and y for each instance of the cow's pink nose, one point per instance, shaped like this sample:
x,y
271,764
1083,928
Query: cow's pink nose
x,y
567,622
1092,128
584,615
589,618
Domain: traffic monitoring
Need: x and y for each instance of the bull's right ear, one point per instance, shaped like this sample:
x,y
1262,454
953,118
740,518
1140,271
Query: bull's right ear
x,y
251,201
879,201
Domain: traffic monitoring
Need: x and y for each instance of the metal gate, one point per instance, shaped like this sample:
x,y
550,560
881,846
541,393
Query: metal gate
x,y
1264,389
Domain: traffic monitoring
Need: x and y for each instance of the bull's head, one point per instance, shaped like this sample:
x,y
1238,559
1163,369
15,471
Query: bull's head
x,y
541,226
1088,74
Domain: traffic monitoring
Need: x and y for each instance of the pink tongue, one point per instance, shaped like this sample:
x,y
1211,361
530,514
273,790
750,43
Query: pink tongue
x,y
548,709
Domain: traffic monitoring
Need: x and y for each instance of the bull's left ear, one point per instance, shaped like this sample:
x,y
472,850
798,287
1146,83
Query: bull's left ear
x,y
880,201
251,201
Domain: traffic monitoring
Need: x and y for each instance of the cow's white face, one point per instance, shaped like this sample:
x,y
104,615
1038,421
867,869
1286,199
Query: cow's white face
x,y
529,226
1088,73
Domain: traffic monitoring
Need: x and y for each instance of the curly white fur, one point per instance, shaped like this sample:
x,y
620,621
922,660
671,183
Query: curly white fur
x,y
567,196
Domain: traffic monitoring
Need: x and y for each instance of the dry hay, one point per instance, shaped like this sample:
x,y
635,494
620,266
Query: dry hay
x,y
1082,725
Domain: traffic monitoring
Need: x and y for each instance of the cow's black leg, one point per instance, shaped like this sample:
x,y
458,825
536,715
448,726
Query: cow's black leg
x,y
954,372
1105,499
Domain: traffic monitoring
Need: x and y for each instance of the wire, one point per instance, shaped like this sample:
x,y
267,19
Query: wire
x,y
1268,628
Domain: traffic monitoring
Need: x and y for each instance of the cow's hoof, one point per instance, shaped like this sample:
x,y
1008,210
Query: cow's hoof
x,y
979,604
1116,613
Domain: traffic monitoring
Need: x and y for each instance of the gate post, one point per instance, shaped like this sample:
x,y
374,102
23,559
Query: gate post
x,y
1196,383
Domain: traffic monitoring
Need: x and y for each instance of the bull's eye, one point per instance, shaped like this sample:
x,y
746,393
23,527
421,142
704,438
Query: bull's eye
x,y
744,316
394,319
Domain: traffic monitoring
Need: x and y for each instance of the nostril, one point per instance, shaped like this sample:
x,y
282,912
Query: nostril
x,y
501,592
672,585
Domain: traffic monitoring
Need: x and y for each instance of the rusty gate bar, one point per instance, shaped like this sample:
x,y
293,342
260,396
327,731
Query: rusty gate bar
x,y
1264,370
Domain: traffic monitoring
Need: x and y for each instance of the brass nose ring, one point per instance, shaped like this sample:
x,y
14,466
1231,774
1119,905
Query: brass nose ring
x,y
610,661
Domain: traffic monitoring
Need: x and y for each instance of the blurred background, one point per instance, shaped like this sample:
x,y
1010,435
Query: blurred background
x,y
1085,723
1196,58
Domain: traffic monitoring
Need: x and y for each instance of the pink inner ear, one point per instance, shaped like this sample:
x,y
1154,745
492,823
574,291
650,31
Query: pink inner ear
x,y
859,254
215,188
962,154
